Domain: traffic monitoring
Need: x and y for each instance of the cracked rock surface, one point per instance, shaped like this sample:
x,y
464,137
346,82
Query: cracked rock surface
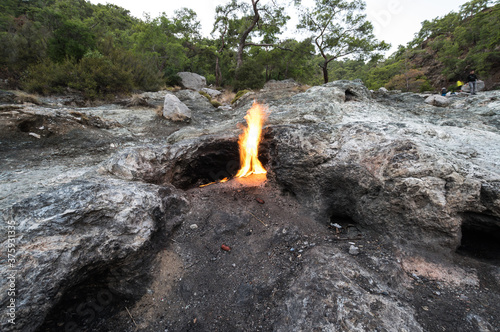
x,y
113,232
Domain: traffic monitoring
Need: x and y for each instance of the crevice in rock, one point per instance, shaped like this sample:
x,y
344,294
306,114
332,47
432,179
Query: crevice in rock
x,y
86,305
345,226
30,124
211,162
480,237
109,287
350,95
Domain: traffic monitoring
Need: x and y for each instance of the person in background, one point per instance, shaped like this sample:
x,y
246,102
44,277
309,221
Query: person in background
x,y
459,86
443,92
472,78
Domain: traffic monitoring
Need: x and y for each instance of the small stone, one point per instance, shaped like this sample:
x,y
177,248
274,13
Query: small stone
x,y
193,226
353,250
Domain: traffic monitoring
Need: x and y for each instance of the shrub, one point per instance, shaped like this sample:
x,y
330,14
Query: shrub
x,y
239,94
173,80
99,77
48,77
249,76
206,95
215,103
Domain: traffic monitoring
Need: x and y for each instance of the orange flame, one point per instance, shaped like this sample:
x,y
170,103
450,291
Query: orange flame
x,y
249,142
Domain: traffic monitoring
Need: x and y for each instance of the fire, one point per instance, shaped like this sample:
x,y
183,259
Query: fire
x,y
249,142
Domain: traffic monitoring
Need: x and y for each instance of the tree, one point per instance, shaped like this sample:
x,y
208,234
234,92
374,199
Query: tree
x,y
339,29
225,18
263,20
73,39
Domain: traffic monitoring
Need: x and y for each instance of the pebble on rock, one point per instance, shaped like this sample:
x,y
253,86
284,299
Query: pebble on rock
x,y
353,250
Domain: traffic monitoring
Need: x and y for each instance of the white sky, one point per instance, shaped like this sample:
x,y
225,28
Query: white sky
x,y
395,21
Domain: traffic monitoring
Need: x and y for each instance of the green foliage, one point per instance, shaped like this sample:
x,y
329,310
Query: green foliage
x,y
47,46
98,77
238,95
380,74
466,40
73,39
456,42
48,77
413,80
339,28
206,95
249,76
215,103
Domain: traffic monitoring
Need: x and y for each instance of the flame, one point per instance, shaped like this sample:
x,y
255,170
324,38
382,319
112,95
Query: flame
x,y
249,142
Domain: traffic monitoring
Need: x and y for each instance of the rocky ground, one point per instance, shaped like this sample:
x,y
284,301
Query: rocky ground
x,y
380,213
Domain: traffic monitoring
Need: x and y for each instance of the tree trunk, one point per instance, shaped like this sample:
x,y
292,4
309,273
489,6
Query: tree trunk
x,y
243,38
325,72
218,73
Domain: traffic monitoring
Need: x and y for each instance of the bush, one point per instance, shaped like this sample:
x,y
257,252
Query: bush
x,y
94,76
206,95
98,77
173,80
215,103
249,76
48,77
239,94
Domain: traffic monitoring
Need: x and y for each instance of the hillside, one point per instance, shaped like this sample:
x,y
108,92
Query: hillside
x,y
447,48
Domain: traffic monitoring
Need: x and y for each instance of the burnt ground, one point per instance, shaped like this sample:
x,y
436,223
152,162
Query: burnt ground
x,y
196,285
193,284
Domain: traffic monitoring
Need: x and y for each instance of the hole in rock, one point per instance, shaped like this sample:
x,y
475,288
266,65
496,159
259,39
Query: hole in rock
x,y
349,228
211,162
481,237
84,307
349,95
30,125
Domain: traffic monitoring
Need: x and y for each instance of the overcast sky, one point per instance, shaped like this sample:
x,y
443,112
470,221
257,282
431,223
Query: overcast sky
x,y
395,21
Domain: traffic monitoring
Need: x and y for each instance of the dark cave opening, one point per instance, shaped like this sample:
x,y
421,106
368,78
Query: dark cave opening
x,y
349,95
344,225
212,162
30,125
481,237
85,306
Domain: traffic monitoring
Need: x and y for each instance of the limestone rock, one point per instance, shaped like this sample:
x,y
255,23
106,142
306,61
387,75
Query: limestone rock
x,y
353,90
192,81
175,110
73,232
311,305
439,101
479,86
280,85
211,92
7,97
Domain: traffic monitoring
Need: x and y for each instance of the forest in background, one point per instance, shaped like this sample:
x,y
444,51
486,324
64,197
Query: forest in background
x,y
56,46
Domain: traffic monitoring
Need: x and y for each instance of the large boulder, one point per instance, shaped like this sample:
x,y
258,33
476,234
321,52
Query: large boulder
x,y
175,110
439,101
280,85
479,86
192,81
211,92
72,233
7,97
353,90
